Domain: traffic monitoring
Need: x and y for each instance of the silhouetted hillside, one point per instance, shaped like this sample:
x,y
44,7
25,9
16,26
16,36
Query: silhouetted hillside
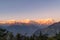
x,y
50,30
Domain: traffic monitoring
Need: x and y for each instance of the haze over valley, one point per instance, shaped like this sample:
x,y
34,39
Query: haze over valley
x,y
27,26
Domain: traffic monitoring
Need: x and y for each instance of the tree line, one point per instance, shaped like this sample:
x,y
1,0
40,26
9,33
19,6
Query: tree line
x,y
5,35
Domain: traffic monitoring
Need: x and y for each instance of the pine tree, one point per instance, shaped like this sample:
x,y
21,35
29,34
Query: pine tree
x,y
42,37
27,38
31,38
57,36
11,37
3,34
18,37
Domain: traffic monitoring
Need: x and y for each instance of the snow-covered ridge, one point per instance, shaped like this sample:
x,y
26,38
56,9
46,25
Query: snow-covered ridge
x,y
27,21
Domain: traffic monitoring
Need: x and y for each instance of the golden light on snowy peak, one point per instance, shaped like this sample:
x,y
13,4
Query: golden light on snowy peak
x,y
2,22
39,21
10,21
45,21
25,21
7,22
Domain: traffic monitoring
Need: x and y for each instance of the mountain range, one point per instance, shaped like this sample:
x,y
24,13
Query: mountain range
x,y
30,27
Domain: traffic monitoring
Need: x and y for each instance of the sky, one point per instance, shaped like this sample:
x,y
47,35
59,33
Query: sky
x,y
29,9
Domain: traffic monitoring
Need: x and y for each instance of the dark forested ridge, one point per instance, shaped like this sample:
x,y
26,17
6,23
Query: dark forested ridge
x,y
9,36
50,30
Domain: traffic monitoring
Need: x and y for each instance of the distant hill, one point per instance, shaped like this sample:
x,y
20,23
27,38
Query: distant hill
x,y
25,27
50,30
